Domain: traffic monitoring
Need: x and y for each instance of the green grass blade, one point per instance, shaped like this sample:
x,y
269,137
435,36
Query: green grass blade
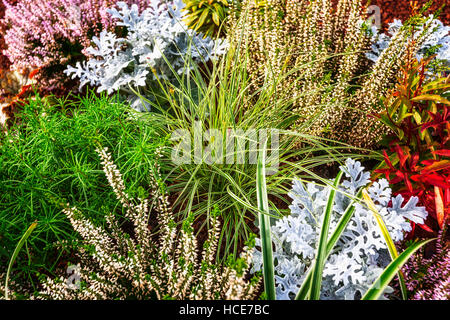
x,y
15,254
387,238
377,288
266,238
306,285
321,254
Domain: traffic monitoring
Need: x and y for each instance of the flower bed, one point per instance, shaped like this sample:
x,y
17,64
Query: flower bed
x,y
161,149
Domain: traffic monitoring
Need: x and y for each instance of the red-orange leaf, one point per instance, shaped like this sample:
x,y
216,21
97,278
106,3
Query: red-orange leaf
x,y
438,196
426,228
443,152
436,166
432,97
432,179
33,73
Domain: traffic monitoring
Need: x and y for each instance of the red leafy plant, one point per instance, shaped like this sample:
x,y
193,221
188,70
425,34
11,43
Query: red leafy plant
x,y
417,159
15,88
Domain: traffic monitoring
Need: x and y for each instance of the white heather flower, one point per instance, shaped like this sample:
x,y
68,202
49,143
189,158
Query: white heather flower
x,y
119,265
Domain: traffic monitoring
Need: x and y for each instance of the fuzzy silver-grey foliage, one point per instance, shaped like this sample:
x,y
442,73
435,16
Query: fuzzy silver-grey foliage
x,y
361,253
157,45
438,40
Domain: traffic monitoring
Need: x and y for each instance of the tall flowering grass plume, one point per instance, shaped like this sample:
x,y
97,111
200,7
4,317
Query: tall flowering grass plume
x,y
145,263
50,34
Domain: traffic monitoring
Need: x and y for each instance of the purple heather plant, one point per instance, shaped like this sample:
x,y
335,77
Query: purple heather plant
x,y
429,278
50,34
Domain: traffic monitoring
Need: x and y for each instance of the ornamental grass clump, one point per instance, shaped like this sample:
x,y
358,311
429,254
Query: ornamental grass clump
x,y
215,140
322,50
358,255
115,264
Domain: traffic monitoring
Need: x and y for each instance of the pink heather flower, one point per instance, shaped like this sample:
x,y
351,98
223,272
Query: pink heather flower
x,y
50,33
429,279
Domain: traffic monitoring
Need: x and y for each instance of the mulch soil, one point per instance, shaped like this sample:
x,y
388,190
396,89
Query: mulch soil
x,y
401,9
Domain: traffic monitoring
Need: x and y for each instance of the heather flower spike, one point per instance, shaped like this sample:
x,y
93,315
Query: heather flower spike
x,y
114,264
